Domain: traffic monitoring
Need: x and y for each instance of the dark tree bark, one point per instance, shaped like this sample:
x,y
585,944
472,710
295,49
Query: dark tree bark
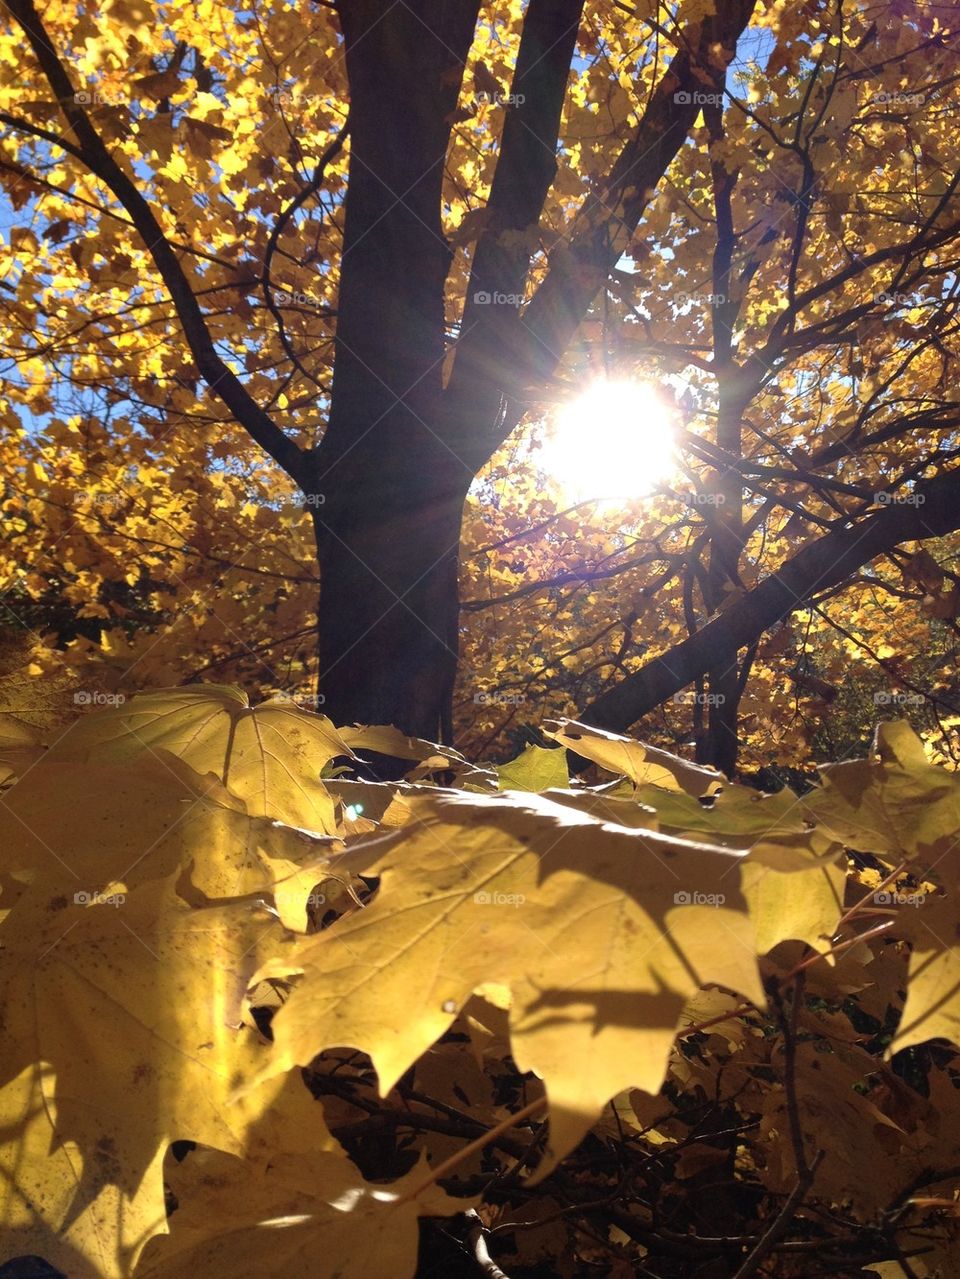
x,y
399,453
388,489
726,542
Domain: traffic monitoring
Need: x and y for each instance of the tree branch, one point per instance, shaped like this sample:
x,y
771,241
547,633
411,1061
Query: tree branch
x,y
525,171
478,1243
331,151
94,154
527,349
826,562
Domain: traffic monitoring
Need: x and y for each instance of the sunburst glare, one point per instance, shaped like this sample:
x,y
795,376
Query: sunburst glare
x,y
614,440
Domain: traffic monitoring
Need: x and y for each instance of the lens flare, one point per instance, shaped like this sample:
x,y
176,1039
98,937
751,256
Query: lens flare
x,y
615,440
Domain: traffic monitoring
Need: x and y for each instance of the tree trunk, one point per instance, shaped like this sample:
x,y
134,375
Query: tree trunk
x,y
726,543
386,488
388,609
388,615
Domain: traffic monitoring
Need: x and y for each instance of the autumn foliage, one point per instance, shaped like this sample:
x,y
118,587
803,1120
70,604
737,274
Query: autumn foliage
x,y
397,875
779,254
258,1023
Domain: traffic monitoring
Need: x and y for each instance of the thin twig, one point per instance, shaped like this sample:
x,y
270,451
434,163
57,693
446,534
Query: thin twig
x,y
484,1140
806,1170
869,896
780,1224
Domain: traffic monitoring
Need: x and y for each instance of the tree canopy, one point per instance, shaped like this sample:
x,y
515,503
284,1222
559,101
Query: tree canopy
x,y
778,254
405,409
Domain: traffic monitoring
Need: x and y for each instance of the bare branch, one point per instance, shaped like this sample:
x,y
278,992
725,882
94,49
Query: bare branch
x,y
817,566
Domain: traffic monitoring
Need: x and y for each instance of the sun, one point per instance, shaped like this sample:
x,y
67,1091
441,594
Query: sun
x,y
615,440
